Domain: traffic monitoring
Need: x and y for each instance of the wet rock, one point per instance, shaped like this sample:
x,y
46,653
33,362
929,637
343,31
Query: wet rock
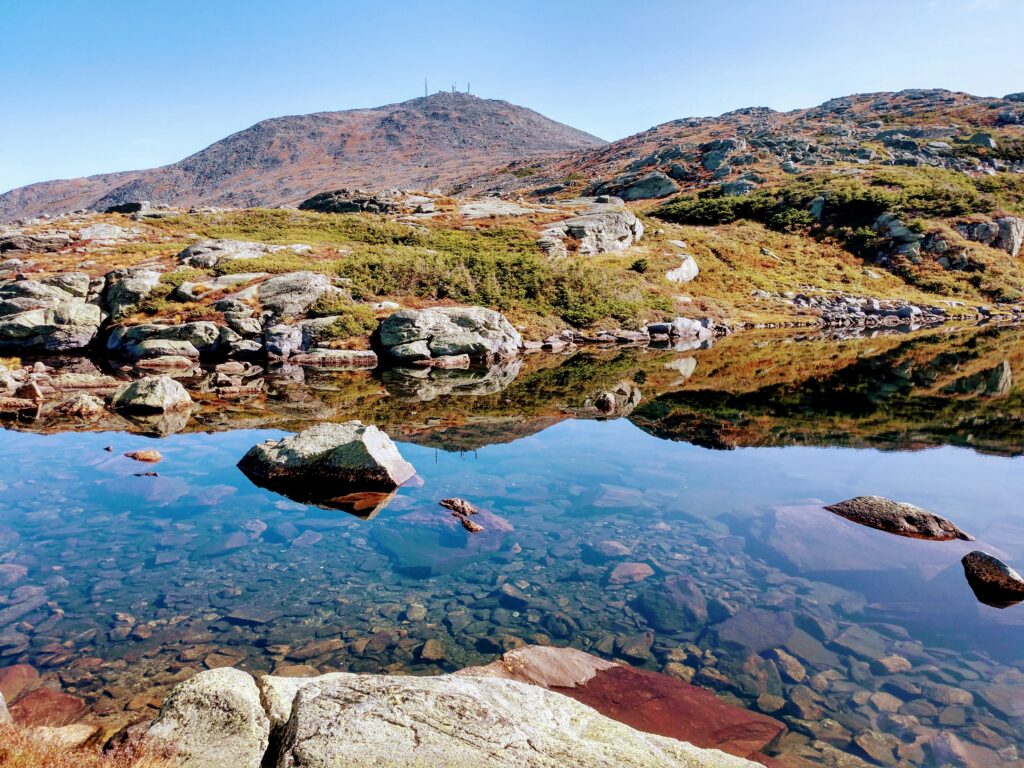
x,y
157,394
645,700
993,581
17,678
630,573
146,456
756,629
45,706
355,720
418,334
676,605
897,517
325,461
213,719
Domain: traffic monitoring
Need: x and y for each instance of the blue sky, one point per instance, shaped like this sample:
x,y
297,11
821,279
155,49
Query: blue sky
x,y
91,87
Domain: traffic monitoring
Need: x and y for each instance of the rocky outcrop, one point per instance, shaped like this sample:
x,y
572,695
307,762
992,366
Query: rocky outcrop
x,y
350,201
1006,233
897,517
638,186
50,315
213,720
355,720
293,293
327,460
600,232
993,581
149,340
156,394
40,242
126,288
422,335
682,328
209,253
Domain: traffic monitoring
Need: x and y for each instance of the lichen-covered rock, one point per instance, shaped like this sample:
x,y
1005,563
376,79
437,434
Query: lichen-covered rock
x,y
417,334
156,394
125,288
356,720
601,231
993,581
335,455
212,720
293,293
897,517
47,314
210,253
201,337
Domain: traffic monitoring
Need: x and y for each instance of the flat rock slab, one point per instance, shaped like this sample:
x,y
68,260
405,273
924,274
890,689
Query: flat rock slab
x,y
44,706
898,517
645,700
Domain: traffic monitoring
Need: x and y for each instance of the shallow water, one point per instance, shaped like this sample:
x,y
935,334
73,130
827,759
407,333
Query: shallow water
x,y
134,582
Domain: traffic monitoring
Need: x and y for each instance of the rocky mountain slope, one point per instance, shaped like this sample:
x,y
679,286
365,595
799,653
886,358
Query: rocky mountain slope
x,y
742,150
422,143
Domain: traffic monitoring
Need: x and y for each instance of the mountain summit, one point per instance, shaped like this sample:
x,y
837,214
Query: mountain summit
x,y
425,142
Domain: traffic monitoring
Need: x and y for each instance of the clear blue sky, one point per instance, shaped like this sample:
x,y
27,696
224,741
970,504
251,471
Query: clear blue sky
x,y
103,85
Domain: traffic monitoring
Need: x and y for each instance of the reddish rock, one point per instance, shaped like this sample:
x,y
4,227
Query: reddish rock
x,y
630,573
16,679
648,701
44,706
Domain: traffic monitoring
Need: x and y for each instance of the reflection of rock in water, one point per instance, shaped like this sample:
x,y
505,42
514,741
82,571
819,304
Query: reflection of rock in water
x,y
160,424
614,403
685,366
995,382
425,384
993,581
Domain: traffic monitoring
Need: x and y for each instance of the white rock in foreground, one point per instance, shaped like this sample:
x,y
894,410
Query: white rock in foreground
x,y
213,720
357,720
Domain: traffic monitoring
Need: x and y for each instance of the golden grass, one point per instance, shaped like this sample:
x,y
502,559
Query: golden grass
x,y
19,749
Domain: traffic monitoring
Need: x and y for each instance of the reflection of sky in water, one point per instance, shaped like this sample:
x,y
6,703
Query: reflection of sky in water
x,y
677,506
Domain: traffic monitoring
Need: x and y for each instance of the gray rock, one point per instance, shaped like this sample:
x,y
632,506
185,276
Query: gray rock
x,y
126,288
212,720
135,340
5,716
193,291
897,517
1011,234
42,242
293,293
982,139
482,334
336,455
209,253
993,581
38,316
156,394
466,722
282,340
600,232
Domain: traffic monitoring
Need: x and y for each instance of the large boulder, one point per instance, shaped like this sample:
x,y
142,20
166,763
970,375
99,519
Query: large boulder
x,y
200,337
41,242
897,517
356,720
293,293
601,231
125,288
421,334
157,394
648,701
328,458
212,720
47,315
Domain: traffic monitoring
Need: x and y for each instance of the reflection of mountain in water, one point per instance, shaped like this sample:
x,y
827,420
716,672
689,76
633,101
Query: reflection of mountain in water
x,y
925,390
899,391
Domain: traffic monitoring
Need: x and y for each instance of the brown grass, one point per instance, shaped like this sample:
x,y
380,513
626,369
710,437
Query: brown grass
x,y
18,749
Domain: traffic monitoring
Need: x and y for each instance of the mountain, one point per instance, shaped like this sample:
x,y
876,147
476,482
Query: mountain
x,y
747,148
422,143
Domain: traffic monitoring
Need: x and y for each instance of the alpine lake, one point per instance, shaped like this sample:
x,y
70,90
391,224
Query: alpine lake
x,y
682,530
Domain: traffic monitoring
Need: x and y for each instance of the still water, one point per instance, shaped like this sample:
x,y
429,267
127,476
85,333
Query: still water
x,y
634,537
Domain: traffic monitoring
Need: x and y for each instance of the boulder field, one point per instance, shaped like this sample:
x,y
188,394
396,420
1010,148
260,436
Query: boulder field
x,y
535,707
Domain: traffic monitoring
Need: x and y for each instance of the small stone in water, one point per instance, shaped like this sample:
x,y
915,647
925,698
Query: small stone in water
x,y
468,524
148,456
630,573
459,506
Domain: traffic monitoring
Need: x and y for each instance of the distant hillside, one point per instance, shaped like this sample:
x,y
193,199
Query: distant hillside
x,y
422,143
742,150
